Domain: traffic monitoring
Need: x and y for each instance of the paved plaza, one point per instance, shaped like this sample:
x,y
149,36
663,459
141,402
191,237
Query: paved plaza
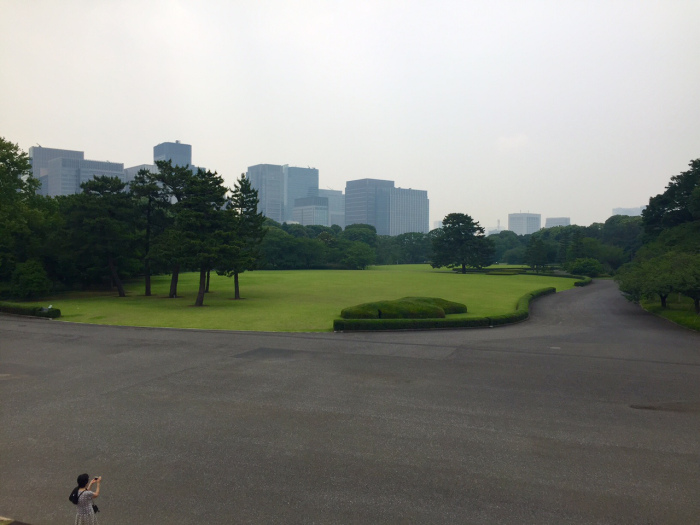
x,y
587,413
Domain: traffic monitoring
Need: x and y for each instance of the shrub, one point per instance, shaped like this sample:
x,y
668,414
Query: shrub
x,y
587,266
27,309
29,280
405,308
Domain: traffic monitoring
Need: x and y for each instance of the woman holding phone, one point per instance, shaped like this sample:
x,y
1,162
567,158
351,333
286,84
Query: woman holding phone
x,y
86,514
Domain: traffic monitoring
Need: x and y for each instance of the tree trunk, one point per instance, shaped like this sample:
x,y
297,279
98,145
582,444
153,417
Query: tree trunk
x,y
147,261
202,287
208,276
464,268
696,302
147,271
235,286
115,277
173,281
663,300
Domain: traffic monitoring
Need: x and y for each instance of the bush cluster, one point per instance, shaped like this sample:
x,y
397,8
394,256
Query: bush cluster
x,y
25,309
404,308
522,311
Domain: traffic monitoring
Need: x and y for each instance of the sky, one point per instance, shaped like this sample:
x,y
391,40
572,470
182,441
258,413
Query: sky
x,y
563,108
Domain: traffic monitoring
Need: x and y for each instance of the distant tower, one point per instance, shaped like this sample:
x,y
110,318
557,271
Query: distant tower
x,y
269,180
180,154
524,223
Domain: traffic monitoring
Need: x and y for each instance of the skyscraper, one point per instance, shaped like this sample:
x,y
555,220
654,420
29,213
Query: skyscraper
x,y
336,206
180,154
299,183
408,211
311,210
40,157
392,211
524,223
367,202
269,181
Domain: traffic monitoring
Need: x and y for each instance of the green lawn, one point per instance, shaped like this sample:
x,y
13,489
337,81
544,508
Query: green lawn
x,y
295,301
680,310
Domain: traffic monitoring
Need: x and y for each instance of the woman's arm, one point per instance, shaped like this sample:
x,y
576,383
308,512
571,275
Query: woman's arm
x,y
96,492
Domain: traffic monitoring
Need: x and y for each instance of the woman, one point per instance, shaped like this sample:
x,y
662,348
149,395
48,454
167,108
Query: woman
x,y
86,516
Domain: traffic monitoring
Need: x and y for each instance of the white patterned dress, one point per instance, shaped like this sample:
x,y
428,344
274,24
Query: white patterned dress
x,y
85,516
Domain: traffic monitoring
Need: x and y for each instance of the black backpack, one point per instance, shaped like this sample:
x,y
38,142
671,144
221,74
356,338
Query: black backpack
x,y
73,498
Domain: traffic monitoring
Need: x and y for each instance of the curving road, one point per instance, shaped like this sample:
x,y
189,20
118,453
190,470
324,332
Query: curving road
x,y
587,413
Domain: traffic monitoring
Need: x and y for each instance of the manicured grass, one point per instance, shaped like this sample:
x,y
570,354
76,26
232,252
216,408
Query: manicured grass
x,y
679,310
296,301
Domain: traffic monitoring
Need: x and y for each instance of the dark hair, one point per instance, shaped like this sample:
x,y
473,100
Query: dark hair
x,y
83,480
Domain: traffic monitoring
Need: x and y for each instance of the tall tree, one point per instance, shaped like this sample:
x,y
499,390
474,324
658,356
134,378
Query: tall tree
x,y
151,200
101,223
174,180
17,189
461,243
676,205
244,233
200,221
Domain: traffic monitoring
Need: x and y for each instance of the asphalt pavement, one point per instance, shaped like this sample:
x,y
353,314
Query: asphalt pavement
x,y
589,412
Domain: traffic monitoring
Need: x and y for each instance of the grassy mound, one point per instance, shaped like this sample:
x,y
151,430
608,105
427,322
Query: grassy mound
x,y
405,308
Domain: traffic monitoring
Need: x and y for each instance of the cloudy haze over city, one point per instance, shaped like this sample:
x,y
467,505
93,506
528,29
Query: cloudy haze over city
x,y
566,109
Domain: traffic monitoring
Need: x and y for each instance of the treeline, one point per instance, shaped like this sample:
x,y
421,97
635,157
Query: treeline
x,y
600,248
669,259
293,247
168,222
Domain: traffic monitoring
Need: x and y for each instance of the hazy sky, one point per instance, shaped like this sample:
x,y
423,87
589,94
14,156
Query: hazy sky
x,y
564,108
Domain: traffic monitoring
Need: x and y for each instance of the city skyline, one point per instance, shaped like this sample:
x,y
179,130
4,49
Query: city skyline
x,y
567,109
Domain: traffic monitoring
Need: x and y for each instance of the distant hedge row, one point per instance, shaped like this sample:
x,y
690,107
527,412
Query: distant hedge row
x,y
584,280
25,309
522,311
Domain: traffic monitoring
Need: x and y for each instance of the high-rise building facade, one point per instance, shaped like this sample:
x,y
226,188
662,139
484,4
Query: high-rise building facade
x,y
367,202
61,171
524,223
408,211
180,154
392,211
299,184
311,210
39,157
551,222
269,181
336,206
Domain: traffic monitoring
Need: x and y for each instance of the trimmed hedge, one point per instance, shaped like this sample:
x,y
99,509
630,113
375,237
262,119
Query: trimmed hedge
x,y
26,309
405,308
584,280
522,312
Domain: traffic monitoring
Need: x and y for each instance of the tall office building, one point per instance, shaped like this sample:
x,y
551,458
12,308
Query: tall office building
x,y
367,202
336,206
524,223
551,222
180,154
408,211
39,157
66,175
390,210
311,210
269,181
61,171
299,184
